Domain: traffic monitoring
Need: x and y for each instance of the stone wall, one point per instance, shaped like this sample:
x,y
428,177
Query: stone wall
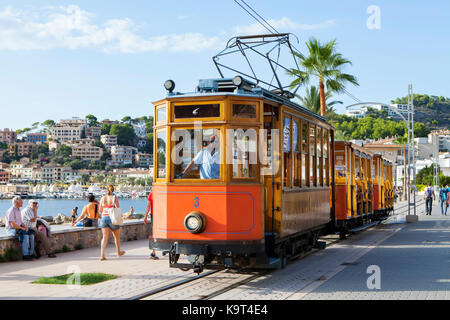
x,y
79,238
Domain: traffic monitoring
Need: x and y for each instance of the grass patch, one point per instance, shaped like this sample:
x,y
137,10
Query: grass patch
x,y
85,279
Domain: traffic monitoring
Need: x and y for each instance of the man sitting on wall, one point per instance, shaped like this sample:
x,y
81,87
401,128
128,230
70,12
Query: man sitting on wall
x,y
15,227
29,218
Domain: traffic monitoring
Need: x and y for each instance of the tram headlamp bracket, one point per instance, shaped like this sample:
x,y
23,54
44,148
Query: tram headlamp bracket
x,y
195,222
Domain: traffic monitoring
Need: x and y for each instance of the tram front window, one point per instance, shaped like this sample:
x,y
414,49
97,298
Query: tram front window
x,y
192,164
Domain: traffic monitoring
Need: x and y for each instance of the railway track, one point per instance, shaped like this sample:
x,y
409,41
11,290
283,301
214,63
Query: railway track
x,y
211,284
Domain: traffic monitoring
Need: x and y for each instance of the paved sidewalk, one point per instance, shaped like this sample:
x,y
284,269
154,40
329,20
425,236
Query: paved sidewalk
x,y
414,264
137,273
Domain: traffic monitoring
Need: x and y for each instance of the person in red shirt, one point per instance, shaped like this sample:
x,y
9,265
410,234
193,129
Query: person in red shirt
x,y
147,210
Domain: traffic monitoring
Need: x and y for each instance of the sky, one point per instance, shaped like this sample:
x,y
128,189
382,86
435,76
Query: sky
x,y
110,58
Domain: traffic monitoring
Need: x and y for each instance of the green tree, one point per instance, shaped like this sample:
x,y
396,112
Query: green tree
x,y
64,151
125,134
106,128
48,124
85,178
126,120
92,120
326,64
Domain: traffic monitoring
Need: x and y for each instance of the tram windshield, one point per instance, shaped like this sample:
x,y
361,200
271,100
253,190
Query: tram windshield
x,y
196,154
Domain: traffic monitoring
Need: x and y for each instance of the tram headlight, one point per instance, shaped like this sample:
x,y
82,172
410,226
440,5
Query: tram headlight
x,y
195,222
169,85
237,81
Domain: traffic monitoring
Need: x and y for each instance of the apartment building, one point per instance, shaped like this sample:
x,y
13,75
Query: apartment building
x,y
5,176
37,138
79,142
443,139
51,173
87,152
24,149
109,141
70,129
8,136
143,160
93,132
121,156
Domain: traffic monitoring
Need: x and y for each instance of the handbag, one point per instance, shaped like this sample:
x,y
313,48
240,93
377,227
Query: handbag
x,y
116,215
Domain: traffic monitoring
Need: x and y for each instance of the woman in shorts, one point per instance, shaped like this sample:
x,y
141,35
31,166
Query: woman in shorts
x,y
107,202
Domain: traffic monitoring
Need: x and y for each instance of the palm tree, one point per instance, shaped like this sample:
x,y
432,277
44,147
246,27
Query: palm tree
x,y
326,64
311,101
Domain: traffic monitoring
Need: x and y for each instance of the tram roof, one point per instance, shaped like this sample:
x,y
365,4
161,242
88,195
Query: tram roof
x,y
226,87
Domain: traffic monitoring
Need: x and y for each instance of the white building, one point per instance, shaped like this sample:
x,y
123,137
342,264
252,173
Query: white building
x,y
109,141
121,156
69,129
443,137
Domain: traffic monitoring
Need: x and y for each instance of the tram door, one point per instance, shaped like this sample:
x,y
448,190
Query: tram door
x,y
272,183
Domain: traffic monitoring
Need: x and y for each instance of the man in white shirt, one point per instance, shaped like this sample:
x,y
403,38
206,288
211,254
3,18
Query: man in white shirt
x,y
208,159
29,218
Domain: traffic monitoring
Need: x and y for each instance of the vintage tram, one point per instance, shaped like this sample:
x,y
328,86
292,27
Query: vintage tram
x,y
223,211
245,177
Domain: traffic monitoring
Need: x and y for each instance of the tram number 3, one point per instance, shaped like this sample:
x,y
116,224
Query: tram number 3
x,y
196,202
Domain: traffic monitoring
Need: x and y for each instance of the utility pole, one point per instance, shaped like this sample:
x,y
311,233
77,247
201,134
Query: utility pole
x,y
411,157
436,169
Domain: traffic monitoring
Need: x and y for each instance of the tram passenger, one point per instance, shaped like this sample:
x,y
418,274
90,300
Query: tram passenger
x,y
208,159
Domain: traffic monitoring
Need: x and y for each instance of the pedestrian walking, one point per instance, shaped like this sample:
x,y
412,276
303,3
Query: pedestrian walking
x,y
29,218
443,199
429,196
107,202
148,210
15,227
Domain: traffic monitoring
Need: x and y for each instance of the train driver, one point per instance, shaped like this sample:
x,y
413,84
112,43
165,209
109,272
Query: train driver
x,y
208,159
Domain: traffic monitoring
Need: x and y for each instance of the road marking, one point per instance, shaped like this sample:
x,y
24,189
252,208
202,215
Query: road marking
x,y
316,284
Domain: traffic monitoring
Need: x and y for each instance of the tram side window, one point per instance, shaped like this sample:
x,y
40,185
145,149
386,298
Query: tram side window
x,y
161,114
196,155
286,151
296,148
319,170
244,154
341,168
244,111
357,167
305,158
197,111
312,156
161,148
326,177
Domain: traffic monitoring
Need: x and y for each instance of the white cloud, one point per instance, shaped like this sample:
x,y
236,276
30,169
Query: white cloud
x,y
71,27
281,25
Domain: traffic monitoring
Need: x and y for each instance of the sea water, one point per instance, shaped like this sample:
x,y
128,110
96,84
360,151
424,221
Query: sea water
x,y
52,207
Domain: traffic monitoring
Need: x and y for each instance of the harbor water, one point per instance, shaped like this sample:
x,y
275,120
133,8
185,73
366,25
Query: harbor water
x,y
52,207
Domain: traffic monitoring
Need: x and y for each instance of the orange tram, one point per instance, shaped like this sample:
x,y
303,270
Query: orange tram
x,y
220,204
